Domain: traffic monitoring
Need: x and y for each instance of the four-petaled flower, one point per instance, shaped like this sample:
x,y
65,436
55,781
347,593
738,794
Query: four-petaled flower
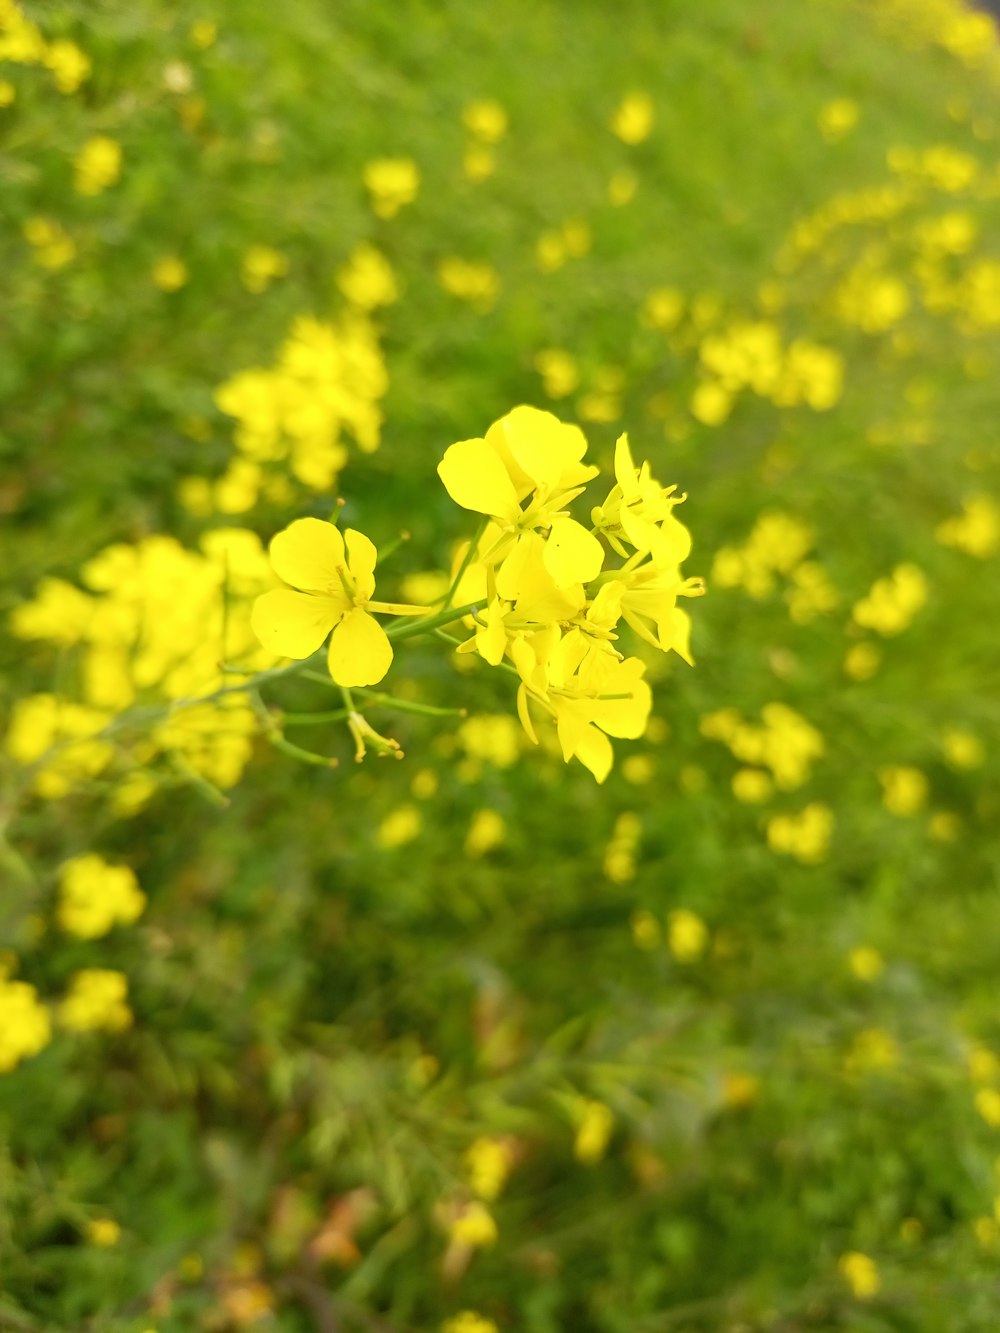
x,y
332,581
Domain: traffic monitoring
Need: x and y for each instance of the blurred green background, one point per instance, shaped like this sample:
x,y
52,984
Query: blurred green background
x,y
467,1041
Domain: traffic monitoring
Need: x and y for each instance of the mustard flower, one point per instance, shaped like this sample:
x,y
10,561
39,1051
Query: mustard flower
x,y
633,119
95,896
332,580
97,165
485,120
527,453
391,182
25,1025
96,1002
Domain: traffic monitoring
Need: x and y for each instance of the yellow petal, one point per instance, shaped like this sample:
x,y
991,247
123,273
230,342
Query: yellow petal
x,y
572,554
361,557
475,477
525,715
625,472
596,753
293,624
545,448
360,651
307,554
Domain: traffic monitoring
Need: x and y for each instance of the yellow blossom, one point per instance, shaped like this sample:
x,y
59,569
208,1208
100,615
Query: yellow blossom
x,y
593,1132
861,1273
488,1163
486,832
469,280
866,963
892,602
392,183
97,165
96,1002
559,372
399,827
474,1227
169,273
987,1101
8,93
25,1025
962,749
632,121
976,531
469,1322
904,789
261,265
805,835
95,896
486,120
367,279
332,580
838,118
103,1232
622,188
687,935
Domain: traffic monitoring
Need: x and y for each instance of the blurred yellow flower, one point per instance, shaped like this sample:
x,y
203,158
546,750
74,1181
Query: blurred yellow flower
x,y
261,264
485,120
399,827
169,273
8,93
632,121
861,1273
904,789
838,118
593,1132
474,1226
486,832
622,188
866,963
805,835
367,279
203,33
488,1163
470,280
25,1025
687,935
97,165
96,1002
469,1322
95,896
103,1232
392,183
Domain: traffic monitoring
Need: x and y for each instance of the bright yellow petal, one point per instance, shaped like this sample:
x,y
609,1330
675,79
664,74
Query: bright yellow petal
x,y
525,715
545,448
625,473
475,477
293,624
596,753
360,651
361,557
307,554
572,554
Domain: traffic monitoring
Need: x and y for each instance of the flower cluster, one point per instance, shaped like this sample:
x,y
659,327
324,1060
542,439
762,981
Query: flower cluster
x,y
547,604
295,417
150,626
22,43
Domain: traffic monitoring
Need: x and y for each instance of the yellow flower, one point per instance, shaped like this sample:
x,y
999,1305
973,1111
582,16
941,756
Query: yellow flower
x,y
805,836
633,119
169,273
593,1132
866,963
469,1322
488,1162
8,93
69,65
474,1227
838,118
399,827
640,511
261,265
687,935
95,896
485,120
861,1274
203,33
904,789
526,453
622,187
332,589
367,279
97,165
96,1002
892,602
392,182
486,832
103,1232
25,1026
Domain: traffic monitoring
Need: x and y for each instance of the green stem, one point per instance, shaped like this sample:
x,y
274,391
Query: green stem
x,y
467,560
374,700
313,719
411,629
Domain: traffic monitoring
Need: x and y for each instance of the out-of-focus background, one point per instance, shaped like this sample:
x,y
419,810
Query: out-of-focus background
x,y
469,1042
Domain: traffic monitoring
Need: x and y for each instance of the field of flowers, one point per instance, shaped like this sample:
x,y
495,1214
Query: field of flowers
x,y
421,909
